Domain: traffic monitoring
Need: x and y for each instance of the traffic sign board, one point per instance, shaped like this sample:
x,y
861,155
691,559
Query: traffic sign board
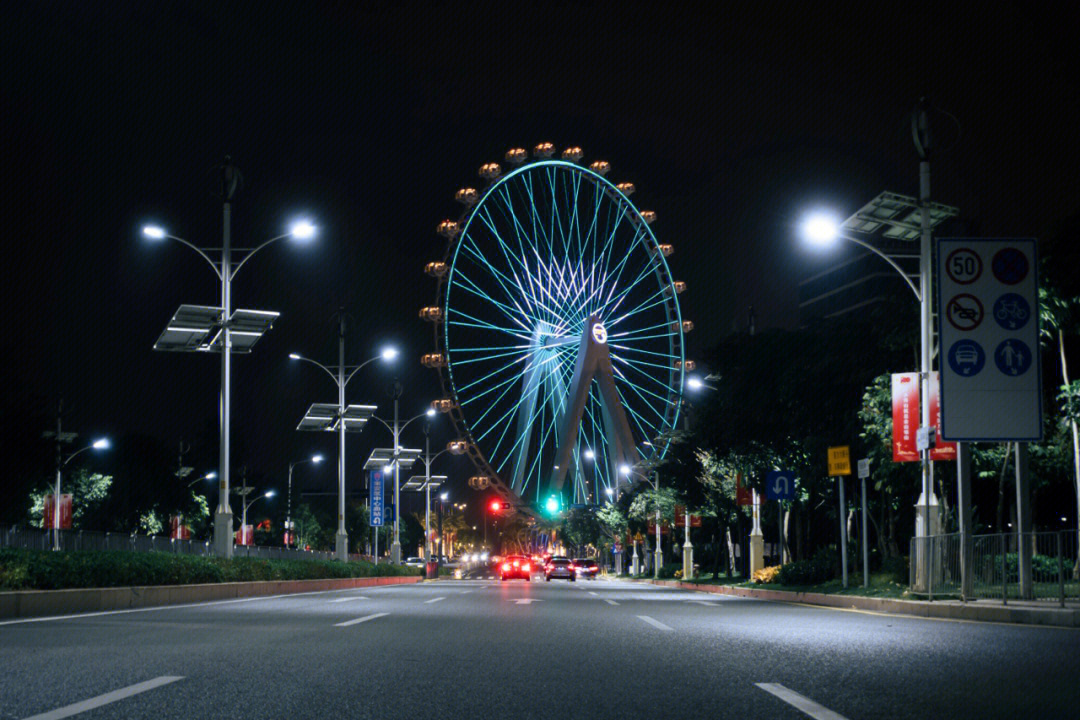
x,y
864,468
840,460
990,377
780,485
376,507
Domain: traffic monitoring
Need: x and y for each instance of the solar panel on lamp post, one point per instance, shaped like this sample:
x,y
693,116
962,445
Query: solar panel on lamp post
x,y
343,418
196,328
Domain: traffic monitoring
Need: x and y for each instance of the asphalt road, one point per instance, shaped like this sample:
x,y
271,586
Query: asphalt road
x,y
481,648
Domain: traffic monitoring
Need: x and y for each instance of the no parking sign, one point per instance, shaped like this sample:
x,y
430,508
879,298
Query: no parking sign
x,y
988,303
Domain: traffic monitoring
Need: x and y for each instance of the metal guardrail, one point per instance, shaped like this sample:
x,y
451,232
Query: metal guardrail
x,y
996,570
13,536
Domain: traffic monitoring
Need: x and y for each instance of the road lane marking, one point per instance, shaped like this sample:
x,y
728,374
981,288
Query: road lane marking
x,y
434,600
706,603
356,597
107,698
466,592
800,702
347,623
592,593
525,601
654,623
610,602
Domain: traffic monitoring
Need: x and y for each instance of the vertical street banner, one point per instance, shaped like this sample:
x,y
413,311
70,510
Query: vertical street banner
x,y
905,416
177,529
943,450
65,511
245,535
375,499
742,494
988,318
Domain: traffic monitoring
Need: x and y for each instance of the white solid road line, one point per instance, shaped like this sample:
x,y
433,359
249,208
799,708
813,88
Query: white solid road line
x,y
356,597
110,697
654,623
434,600
347,623
804,704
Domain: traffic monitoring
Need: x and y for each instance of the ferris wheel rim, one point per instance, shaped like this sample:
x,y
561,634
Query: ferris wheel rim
x,y
675,387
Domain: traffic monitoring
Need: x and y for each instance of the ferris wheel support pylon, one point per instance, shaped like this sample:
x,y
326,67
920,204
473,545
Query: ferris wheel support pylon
x,y
593,362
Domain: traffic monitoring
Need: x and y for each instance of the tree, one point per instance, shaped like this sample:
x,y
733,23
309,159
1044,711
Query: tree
x,y
88,491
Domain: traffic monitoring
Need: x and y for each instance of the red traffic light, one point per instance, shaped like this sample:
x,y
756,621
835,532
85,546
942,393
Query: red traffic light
x,y
496,506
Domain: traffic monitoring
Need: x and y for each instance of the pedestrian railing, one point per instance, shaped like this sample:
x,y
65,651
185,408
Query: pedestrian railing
x,y
1036,566
13,536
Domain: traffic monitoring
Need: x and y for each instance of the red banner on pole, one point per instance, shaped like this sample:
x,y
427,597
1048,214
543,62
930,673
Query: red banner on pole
x,y
942,450
742,494
49,520
177,529
245,535
680,518
905,415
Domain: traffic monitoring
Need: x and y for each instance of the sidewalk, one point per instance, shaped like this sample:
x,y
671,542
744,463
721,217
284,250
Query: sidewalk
x,y
1017,612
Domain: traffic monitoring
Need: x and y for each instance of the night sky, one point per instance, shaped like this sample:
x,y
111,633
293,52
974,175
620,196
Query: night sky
x,y
731,125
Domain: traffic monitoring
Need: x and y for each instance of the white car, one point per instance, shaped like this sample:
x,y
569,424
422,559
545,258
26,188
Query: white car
x,y
417,562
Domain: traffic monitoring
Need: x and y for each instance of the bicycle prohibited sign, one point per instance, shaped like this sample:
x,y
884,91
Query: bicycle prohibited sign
x,y
964,312
1011,311
964,266
991,384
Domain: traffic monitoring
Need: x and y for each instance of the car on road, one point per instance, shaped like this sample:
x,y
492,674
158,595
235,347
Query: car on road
x,y
586,568
415,562
560,567
515,566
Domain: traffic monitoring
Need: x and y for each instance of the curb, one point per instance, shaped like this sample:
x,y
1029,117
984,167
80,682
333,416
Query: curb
x,y
1053,617
38,603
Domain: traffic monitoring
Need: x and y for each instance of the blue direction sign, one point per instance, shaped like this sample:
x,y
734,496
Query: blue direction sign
x,y
780,485
376,508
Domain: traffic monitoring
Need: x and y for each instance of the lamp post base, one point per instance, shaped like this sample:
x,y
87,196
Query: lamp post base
x,y
618,563
395,552
223,534
635,563
658,562
757,553
341,546
688,561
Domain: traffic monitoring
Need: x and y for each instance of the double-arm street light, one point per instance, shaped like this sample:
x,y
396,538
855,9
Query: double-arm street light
x,y
350,418
316,459
653,478
219,329
243,493
396,429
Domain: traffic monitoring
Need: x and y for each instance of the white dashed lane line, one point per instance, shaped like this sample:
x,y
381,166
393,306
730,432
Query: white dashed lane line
x,y
800,702
106,699
655,623
347,623
347,599
434,600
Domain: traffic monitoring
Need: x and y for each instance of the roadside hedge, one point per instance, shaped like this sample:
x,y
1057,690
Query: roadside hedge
x,y
45,570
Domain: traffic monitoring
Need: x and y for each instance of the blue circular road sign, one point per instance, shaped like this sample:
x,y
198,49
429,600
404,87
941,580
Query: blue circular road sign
x,y
1013,357
966,358
1010,265
1012,311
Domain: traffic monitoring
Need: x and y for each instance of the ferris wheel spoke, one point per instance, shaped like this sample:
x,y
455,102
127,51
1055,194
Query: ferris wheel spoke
x,y
507,251
484,325
615,275
627,335
652,353
491,374
482,262
638,389
514,314
643,274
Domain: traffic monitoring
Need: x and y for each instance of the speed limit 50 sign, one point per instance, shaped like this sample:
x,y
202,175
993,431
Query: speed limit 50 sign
x,y
988,318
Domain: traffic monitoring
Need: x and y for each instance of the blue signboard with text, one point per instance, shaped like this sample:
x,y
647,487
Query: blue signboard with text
x,y
376,508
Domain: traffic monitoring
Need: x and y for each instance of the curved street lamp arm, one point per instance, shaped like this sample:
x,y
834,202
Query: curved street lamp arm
x,y
319,364
384,423
198,250
361,365
252,252
72,455
886,258
406,423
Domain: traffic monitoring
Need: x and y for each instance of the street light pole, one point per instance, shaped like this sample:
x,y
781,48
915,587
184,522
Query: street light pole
x,y
395,548
922,144
223,537
658,556
341,544
288,511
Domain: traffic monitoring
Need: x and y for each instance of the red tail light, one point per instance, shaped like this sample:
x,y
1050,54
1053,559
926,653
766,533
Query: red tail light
x,y
506,566
526,568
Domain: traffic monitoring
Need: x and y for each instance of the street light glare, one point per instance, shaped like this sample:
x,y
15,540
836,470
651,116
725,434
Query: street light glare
x,y
430,412
102,444
609,491
270,493
294,356
153,231
589,454
302,230
389,354
821,229
444,496
211,475
694,384
316,458
624,469
388,469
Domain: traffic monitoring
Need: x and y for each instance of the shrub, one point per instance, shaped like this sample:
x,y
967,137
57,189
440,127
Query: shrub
x,y
768,575
46,570
818,569
668,570
896,568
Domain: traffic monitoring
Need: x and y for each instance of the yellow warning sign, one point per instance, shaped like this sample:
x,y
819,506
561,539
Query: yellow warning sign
x,y
840,460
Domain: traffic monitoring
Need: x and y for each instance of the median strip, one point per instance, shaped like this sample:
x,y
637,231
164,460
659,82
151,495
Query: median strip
x,y
347,623
800,702
106,699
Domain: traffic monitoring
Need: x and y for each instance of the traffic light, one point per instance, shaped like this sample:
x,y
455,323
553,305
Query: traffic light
x,y
552,504
496,506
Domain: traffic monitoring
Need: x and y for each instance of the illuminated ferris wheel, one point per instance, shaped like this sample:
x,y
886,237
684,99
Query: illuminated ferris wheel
x,y
559,340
